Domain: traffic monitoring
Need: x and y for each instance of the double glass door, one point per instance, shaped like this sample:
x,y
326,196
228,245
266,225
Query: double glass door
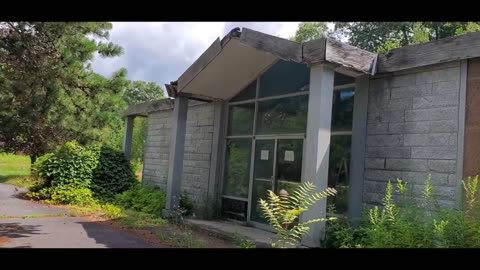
x,y
277,165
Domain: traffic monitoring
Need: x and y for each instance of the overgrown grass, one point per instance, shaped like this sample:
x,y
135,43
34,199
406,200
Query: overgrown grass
x,y
15,169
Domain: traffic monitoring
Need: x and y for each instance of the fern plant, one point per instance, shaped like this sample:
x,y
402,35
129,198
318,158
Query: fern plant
x,y
283,211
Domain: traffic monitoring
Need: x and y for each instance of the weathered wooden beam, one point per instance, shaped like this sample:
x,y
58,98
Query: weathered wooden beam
x,y
314,51
199,64
143,108
350,57
434,52
279,47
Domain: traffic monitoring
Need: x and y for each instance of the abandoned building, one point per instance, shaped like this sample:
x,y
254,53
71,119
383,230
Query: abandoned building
x,y
256,112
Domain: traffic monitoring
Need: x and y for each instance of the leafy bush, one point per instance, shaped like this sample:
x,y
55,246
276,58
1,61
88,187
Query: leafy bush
x,y
282,211
112,211
150,200
414,224
102,170
72,194
70,164
113,174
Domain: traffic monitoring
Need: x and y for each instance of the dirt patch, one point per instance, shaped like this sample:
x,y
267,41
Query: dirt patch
x,y
4,240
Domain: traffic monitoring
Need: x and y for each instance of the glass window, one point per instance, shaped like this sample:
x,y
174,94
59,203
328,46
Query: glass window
x,y
340,79
284,78
237,167
342,109
289,160
240,119
248,93
338,173
234,209
285,115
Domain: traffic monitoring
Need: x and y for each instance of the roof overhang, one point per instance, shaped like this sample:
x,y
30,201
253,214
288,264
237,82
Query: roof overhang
x,y
230,64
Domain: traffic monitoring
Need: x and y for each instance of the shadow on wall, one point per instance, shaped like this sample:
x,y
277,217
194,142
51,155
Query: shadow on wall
x,y
111,238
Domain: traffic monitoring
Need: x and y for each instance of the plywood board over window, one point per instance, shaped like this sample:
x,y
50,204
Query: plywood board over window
x,y
472,120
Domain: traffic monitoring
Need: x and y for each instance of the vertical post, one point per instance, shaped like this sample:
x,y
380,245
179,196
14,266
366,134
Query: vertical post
x,y
357,160
215,161
175,165
127,137
462,105
318,146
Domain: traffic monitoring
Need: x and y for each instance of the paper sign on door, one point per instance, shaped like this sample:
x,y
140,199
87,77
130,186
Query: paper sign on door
x,y
289,156
264,155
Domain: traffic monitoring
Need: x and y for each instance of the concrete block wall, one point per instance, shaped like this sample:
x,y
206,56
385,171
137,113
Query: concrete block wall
x,y
412,131
197,155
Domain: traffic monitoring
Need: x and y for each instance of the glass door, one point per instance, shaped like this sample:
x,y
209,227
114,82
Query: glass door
x,y
277,166
263,176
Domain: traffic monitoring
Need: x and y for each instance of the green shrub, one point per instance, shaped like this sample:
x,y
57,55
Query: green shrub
x,y
72,194
283,212
70,164
113,174
150,200
102,170
112,211
410,223
185,204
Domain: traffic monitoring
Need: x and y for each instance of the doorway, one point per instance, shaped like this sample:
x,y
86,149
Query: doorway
x,y
277,165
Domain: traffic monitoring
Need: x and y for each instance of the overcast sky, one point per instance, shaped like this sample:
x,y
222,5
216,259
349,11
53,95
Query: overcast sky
x,y
161,51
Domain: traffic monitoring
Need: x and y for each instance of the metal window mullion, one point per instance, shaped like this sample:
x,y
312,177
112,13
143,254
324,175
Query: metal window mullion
x,y
252,156
274,173
344,86
284,96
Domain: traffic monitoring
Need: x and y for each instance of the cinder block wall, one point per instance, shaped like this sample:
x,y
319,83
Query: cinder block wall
x,y
412,130
197,155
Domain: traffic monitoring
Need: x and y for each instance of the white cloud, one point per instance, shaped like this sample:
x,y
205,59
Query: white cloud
x,y
162,51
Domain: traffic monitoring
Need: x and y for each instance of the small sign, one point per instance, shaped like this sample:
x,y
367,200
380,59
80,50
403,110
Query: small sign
x,y
289,156
264,155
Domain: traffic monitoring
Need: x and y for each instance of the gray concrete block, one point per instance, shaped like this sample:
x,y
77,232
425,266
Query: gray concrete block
x,y
443,166
433,139
435,152
382,175
415,165
384,140
445,88
435,101
374,163
409,127
386,117
411,91
444,126
388,152
447,113
377,128
440,179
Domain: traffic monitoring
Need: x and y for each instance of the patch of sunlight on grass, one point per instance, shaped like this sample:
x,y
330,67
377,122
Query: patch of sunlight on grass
x,y
138,220
14,169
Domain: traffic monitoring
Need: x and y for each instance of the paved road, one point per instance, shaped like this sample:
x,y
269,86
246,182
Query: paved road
x,y
30,228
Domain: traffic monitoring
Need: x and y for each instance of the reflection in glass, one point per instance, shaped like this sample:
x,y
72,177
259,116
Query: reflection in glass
x,y
339,168
289,160
237,167
260,190
248,93
285,115
284,78
240,119
342,109
234,209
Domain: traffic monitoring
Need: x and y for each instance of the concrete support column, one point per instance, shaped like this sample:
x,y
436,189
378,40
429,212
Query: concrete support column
x,y
127,137
357,161
175,165
317,146
215,161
